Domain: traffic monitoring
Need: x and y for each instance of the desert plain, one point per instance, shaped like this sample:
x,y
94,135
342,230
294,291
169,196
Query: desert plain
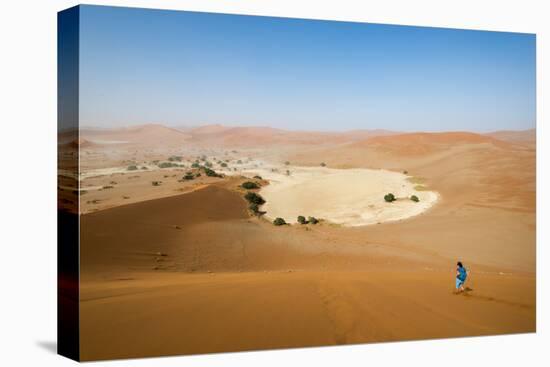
x,y
175,260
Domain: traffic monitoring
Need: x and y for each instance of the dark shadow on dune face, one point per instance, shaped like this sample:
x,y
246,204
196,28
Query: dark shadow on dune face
x,y
48,345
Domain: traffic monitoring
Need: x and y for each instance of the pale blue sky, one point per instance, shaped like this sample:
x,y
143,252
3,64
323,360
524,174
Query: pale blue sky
x,y
183,68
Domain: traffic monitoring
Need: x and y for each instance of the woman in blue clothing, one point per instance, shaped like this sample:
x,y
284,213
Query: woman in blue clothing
x,y
461,276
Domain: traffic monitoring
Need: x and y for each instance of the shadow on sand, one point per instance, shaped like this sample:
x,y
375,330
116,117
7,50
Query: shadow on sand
x,y
467,293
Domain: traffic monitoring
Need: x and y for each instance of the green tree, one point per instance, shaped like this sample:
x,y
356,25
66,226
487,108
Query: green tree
x,y
389,197
211,173
312,220
254,198
302,219
279,221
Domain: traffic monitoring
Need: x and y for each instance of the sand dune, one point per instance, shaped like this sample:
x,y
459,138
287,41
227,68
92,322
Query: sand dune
x,y
145,135
521,137
147,267
171,273
257,136
425,143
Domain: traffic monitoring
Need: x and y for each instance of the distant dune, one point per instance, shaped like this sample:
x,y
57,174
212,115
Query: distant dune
x,y
514,136
258,136
426,143
148,135
481,168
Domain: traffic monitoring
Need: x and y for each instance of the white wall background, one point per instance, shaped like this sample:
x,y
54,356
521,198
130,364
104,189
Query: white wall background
x,y
28,182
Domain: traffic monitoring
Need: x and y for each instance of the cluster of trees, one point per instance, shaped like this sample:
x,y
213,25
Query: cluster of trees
x,y
169,165
211,173
310,220
175,158
391,198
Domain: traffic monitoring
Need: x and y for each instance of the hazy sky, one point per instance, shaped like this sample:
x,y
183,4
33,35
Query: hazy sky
x,y
182,68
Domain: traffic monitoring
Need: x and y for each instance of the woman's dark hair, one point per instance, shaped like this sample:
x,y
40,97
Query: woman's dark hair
x,y
459,264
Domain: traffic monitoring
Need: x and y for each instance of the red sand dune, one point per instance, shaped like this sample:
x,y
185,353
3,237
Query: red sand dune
x,y
258,136
426,143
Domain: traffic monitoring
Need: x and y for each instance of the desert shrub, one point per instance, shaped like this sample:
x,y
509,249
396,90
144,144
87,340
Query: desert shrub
x,y
258,177
223,164
279,221
415,198
167,165
132,168
254,198
211,173
287,163
323,164
389,197
249,185
312,220
195,165
156,183
175,158
302,219
405,172
188,176
108,187
239,162
143,167
208,164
